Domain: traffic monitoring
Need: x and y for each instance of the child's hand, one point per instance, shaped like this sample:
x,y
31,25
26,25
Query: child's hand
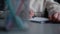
x,y
31,13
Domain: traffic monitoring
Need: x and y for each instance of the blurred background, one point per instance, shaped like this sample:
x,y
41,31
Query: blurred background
x,y
36,24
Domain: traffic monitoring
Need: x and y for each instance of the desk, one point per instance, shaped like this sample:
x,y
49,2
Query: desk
x,y
37,28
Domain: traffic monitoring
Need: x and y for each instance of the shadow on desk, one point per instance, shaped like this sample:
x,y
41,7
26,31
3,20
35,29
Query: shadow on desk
x,y
45,22
52,22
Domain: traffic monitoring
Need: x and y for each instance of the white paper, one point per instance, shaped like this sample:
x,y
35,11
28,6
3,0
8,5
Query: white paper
x,y
39,19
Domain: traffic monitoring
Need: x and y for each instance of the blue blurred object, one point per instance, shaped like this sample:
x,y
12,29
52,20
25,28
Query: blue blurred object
x,y
18,20
9,22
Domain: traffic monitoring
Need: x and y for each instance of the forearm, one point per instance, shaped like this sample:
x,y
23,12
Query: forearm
x,y
52,7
